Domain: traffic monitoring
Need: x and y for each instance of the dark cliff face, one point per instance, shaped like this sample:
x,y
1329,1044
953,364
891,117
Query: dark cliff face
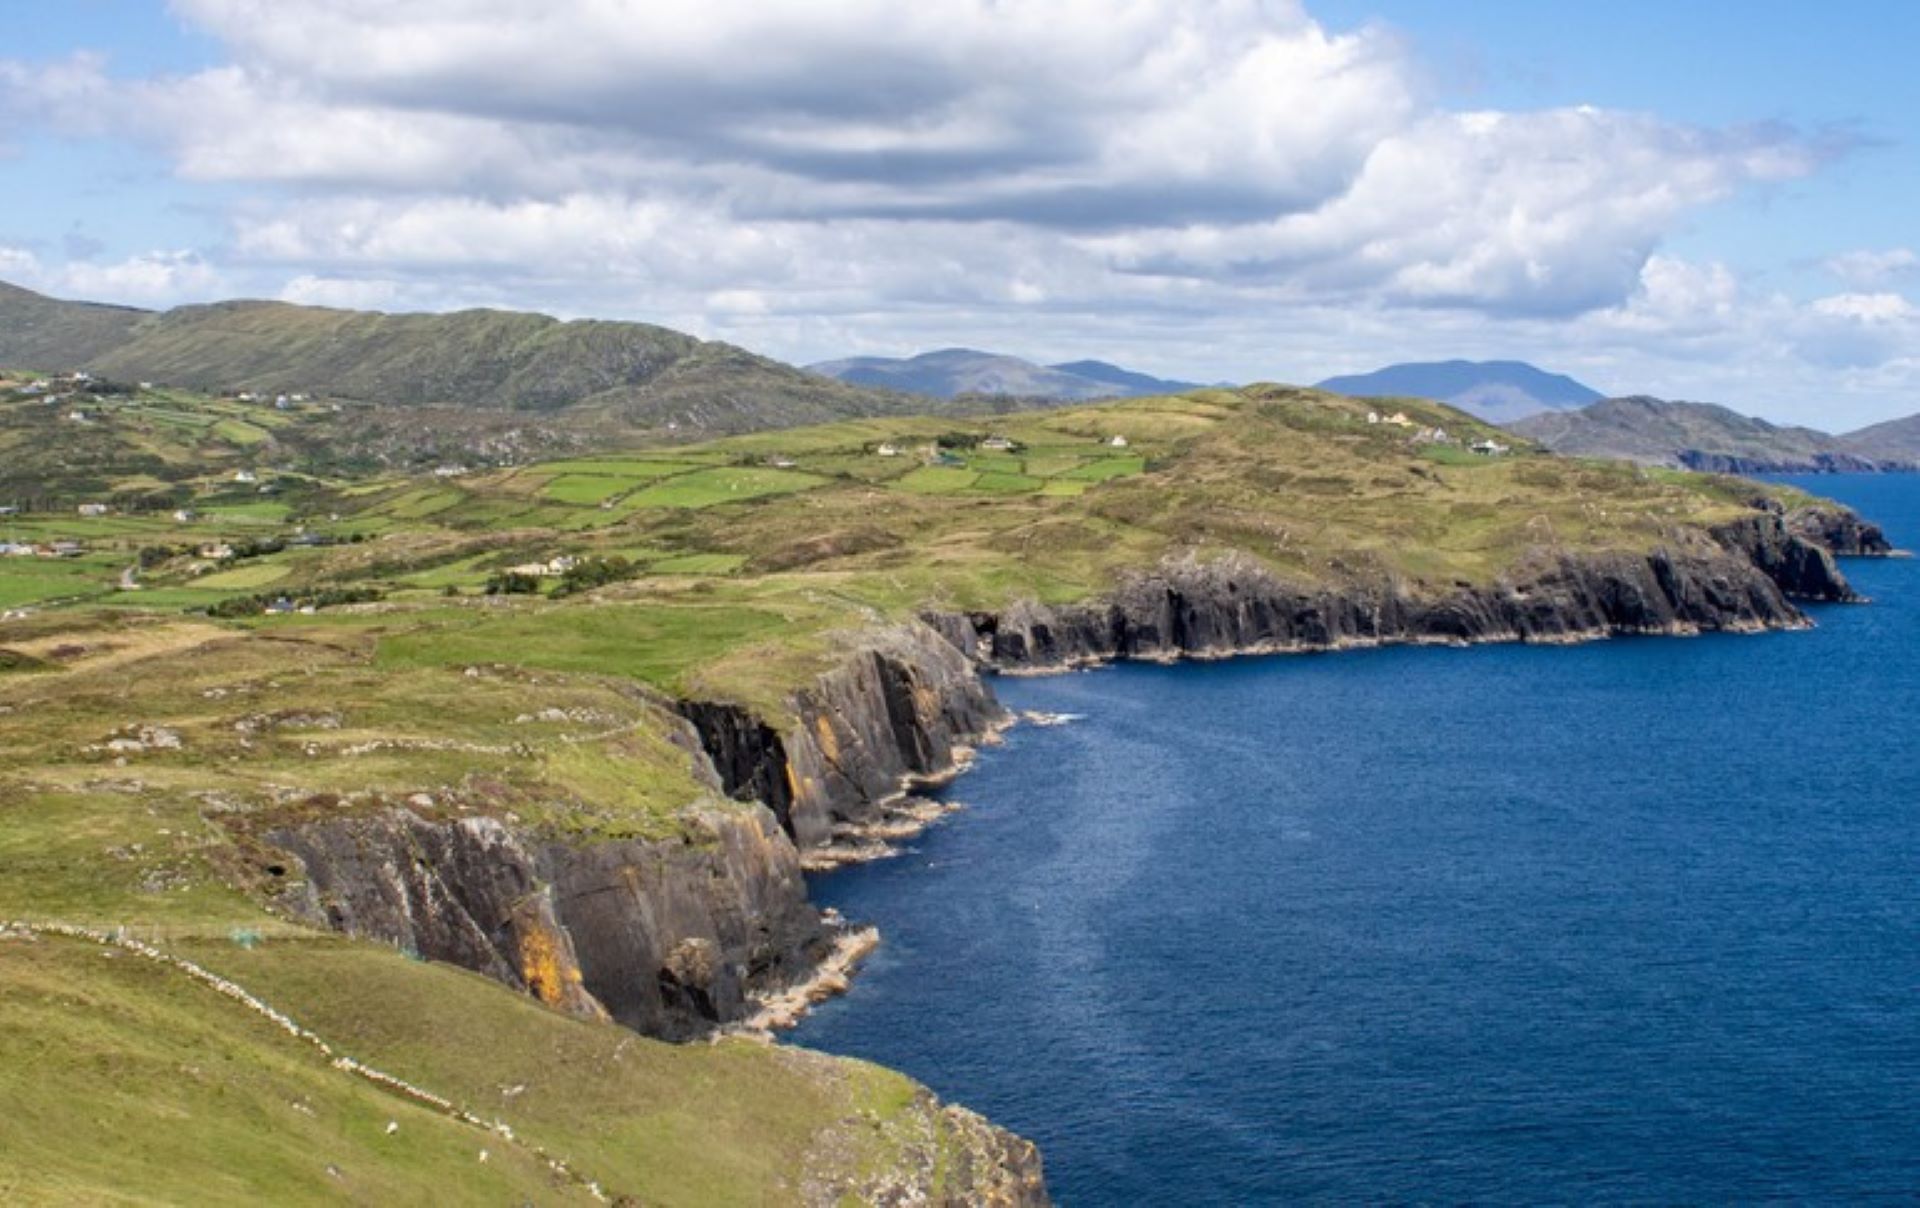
x,y
1840,531
1234,605
894,712
1818,463
1800,568
668,937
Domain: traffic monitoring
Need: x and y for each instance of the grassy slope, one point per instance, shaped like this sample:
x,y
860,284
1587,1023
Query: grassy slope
x,y
750,574
43,333
612,377
190,1098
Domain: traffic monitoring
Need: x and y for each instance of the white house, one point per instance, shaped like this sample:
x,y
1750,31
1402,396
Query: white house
x,y
888,450
93,509
998,444
245,476
1118,442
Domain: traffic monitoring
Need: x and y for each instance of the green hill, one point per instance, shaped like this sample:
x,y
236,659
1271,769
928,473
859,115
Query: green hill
x,y
38,332
616,378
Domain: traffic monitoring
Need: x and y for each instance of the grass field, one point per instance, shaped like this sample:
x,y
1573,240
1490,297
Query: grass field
x,y
705,488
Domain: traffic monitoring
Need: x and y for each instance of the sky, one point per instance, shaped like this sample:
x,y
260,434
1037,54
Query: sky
x,y
1707,201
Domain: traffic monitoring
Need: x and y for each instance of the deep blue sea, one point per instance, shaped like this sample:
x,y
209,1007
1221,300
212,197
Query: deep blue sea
x,y
1631,921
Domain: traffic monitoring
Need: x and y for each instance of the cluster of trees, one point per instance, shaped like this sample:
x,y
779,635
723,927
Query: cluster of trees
x,y
319,597
584,575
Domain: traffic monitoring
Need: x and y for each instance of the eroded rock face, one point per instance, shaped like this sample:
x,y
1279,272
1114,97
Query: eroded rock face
x,y
668,937
893,713
1234,605
1840,531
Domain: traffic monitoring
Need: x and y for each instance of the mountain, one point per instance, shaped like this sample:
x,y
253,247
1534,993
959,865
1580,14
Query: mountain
x,y
1894,440
1497,391
1135,384
1698,436
951,372
612,375
38,332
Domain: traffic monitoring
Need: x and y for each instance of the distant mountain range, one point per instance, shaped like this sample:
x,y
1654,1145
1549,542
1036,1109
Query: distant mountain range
x,y
606,375
1703,436
953,372
1499,392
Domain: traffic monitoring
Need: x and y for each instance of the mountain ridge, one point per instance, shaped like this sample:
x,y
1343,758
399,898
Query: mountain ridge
x,y
953,372
1497,391
1708,436
616,374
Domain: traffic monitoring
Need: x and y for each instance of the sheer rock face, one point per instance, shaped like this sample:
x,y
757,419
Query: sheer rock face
x,y
1742,579
668,937
894,713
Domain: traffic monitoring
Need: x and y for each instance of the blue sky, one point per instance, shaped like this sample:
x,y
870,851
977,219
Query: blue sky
x,y
1706,200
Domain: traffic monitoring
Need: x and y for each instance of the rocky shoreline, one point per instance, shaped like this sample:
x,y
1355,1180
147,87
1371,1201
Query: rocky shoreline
x,y
686,937
679,937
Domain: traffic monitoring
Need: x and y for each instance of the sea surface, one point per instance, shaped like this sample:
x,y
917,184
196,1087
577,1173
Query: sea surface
x,y
1631,921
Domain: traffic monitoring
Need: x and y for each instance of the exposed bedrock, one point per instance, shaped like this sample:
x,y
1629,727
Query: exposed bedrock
x,y
1741,580
896,711
666,936
1840,531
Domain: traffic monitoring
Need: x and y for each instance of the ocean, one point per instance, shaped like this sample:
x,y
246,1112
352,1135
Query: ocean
x,y
1631,921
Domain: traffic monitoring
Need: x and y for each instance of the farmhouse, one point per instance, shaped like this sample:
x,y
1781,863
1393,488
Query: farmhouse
x,y
93,509
1118,442
999,444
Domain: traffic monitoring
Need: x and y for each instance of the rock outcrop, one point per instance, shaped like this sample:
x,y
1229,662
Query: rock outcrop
x,y
669,937
1840,531
894,713
1741,581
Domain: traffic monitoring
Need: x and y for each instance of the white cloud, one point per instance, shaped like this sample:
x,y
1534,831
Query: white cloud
x,y
152,278
1866,269
1211,189
18,264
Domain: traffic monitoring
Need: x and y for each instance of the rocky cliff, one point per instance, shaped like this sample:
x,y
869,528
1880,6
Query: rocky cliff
x,y
896,712
668,937
1740,579
674,937
1838,530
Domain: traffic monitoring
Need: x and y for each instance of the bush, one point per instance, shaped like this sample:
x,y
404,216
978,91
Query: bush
x,y
323,597
589,573
512,583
